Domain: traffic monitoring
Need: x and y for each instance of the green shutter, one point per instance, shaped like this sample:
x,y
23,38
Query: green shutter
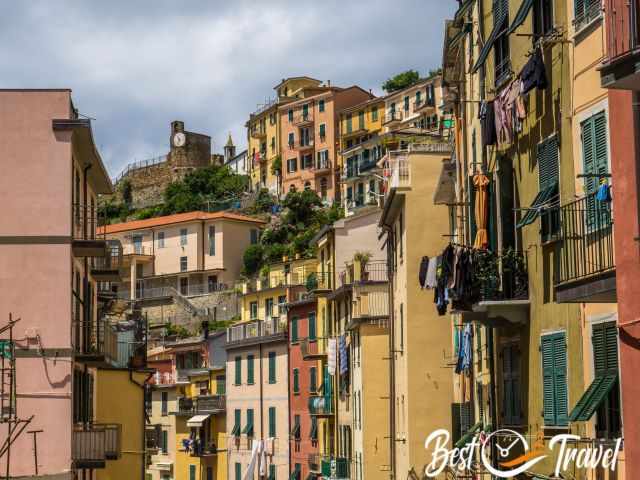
x,y
294,329
349,123
595,160
374,114
312,326
272,367
237,421
238,371
248,429
548,166
250,364
296,381
272,422
238,471
220,384
313,379
361,120
192,472
323,130
313,434
272,472
554,379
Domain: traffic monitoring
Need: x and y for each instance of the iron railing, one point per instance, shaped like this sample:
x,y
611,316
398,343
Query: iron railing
x,y
314,460
201,404
301,117
392,116
313,348
112,260
94,444
397,171
500,277
586,234
85,222
319,281
337,468
357,272
95,338
139,165
322,164
255,329
321,405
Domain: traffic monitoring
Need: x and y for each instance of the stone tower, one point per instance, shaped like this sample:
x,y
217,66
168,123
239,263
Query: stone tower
x,y
229,149
188,150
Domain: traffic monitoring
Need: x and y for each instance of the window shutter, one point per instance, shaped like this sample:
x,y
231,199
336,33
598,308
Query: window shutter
x,y
238,371
238,421
192,472
605,348
508,402
554,366
272,421
547,380
296,381
294,329
548,167
313,379
312,326
272,367
250,377
238,471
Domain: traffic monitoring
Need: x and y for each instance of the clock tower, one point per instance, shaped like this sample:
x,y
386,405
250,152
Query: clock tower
x,y
188,150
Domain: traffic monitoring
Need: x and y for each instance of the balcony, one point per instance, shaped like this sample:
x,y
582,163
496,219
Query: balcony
x,y
321,166
85,242
201,405
302,118
586,267
321,405
335,468
94,444
258,132
301,145
421,105
256,332
107,268
501,293
392,117
620,69
397,171
313,349
319,282
314,462
351,132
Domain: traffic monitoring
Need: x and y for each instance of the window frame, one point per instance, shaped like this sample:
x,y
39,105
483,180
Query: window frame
x,y
184,236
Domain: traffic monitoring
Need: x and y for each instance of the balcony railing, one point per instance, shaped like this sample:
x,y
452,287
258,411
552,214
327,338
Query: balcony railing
x,y
392,116
201,404
335,468
623,27
255,330
95,340
313,349
371,302
133,249
397,171
586,234
321,165
319,281
301,145
85,222
94,444
356,272
314,461
258,132
301,117
321,405
501,277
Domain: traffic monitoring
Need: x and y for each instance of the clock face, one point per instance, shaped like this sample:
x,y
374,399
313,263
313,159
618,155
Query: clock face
x,y
179,139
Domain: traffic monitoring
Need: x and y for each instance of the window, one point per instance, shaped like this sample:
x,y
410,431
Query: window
x,y
401,235
250,373
313,433
291,139
361,120
272,367
238,471
542,18
296,381
323,188
511,403
305,111
164,403
418,98
254,236
160,239
273,144
212,282
183,236
165,442
268,308
374,114
349,123
184,283
290,113
323,130
220,384
321,105
292,165
295,431
501,44
554,379
212,240
183,264
406,103
137,244
294,329
307,161
248,429
237,417
586,11
322,159
209,473
253,310
312,326
192,472
272,472
272,422
313,379
238,371
595,164
603,395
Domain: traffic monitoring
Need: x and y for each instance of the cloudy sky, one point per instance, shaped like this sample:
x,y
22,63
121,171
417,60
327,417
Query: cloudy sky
x,y
134,66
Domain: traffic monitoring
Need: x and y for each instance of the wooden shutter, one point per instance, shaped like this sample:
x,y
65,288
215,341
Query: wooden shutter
x,y
296,380
238,371
192,472
272,421
548,166
547,380
238,471
165,441
511,384
238,420
313,379
554,371
272,367
312,326
250,373
294,329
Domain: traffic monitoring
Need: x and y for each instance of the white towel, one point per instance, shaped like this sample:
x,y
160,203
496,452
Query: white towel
x,y
255,453
263,459
432,281
331,356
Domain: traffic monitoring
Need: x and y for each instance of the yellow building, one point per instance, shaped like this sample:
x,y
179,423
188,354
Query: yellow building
x,y
361,148
263,134
120,402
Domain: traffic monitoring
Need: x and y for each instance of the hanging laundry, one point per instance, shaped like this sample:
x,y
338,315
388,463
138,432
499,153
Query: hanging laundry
x,y
533,74
344,355
504,126
256,450
422,273
487,119
331,356
604,193
432,281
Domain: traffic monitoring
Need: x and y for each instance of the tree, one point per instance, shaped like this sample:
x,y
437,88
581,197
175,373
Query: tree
x,y
252,260
401,80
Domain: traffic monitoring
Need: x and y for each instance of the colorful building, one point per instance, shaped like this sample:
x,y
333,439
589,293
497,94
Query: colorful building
x,y
309,136
361,147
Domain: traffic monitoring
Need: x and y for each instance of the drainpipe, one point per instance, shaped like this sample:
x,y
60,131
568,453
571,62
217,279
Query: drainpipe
x,y
392,362
142,385
492,391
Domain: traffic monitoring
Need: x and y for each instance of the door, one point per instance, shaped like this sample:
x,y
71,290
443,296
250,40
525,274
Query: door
x,y
184,285
137,244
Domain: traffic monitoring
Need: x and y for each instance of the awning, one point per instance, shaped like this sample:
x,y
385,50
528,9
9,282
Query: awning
x,y
521,16
248,429
295,431
543,197
197,420
313,434
593,397
466,438
236,431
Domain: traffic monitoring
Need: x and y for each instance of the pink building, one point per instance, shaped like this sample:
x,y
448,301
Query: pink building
x,y
49,254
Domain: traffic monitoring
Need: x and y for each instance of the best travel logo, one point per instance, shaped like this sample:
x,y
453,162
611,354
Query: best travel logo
x,y
507,443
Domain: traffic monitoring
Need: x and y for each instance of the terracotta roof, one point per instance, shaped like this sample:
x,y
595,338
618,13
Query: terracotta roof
x,y
177,218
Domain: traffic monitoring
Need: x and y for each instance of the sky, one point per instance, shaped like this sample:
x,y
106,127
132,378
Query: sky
x,y
135,66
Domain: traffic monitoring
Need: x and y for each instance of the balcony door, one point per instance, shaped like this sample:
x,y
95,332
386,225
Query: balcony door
x,y
137,244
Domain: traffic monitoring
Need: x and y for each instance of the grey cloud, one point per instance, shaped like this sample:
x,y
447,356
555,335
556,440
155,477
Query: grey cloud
x,y
136,66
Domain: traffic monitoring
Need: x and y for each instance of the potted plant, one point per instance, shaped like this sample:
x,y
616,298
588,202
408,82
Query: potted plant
x,y
363,259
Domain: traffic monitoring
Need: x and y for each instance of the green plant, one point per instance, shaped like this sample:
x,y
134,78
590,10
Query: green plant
x,y
252,260
362,257
126,190
177,330
265,270
401,80
311,282
276,166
